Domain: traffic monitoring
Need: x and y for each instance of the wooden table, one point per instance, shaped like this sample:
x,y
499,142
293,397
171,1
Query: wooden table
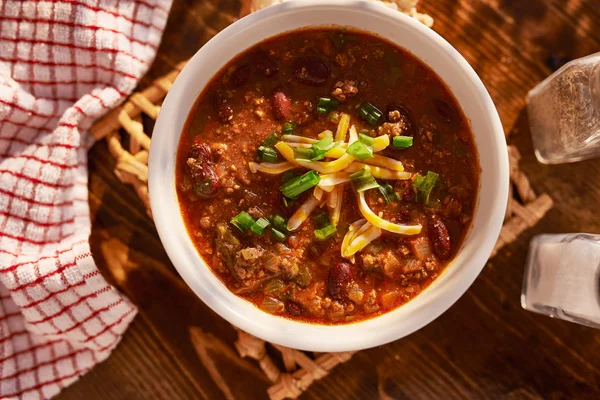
x,y
485,346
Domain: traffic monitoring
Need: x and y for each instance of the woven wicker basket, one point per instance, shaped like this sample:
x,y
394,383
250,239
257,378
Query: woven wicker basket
x,y
301,368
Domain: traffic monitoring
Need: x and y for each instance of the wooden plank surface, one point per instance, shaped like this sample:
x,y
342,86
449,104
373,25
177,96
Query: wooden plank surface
x,y
485,346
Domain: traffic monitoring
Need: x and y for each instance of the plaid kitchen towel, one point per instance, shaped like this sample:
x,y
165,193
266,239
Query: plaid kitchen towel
x,y
63,64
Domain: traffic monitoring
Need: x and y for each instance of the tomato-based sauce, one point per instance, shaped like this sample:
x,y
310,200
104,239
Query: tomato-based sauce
x,y
315,255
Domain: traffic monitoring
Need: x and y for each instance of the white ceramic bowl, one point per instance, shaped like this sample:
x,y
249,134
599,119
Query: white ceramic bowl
x,y
434,51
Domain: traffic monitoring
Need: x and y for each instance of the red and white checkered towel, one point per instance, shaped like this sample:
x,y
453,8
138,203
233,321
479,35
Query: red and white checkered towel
x,y
63,64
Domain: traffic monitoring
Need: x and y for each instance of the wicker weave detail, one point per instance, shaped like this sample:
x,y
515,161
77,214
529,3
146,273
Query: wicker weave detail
x,y
301,369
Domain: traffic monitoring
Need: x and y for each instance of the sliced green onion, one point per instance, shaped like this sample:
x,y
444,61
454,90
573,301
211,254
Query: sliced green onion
x,y
299,184
322,220
424,185
402,142
287,175
327,102
270,140
259,226
243,221
268,154
321,147
279,223
363,180
366,139
363,148
325,232
370,113
360,151
323,143
303,154
277,234
288,128
334,117
387,191
325,105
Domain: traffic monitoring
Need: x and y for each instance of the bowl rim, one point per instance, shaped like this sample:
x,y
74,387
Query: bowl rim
x,y
368,333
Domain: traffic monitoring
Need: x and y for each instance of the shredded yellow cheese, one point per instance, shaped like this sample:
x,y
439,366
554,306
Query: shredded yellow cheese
x,y
322,167
362,240
302,213
324,134
378,172
382,223
297,139
352,229
318,193
296,145
381,142
334,179
270,168
342,129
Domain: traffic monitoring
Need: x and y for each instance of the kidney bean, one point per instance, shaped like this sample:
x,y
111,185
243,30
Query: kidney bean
x,y
339,279
293,308
202,170
241,75
444,110
222,107
439,236
311,70
281,105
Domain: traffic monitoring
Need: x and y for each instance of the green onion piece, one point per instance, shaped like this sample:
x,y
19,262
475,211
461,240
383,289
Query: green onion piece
x,y
259,226
268,154
279,223
327,102
287,175
370,113
334,117
243,221
324,233
366,139
322,220
363,180
278,234
323,143
402,142
360,151
387,191
299,184
270,140
325,105
288,128
363,113
373,118
424,185
321,147
303,154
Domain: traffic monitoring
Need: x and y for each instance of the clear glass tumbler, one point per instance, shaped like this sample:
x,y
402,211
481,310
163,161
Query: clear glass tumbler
x,y
564,113
562,278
